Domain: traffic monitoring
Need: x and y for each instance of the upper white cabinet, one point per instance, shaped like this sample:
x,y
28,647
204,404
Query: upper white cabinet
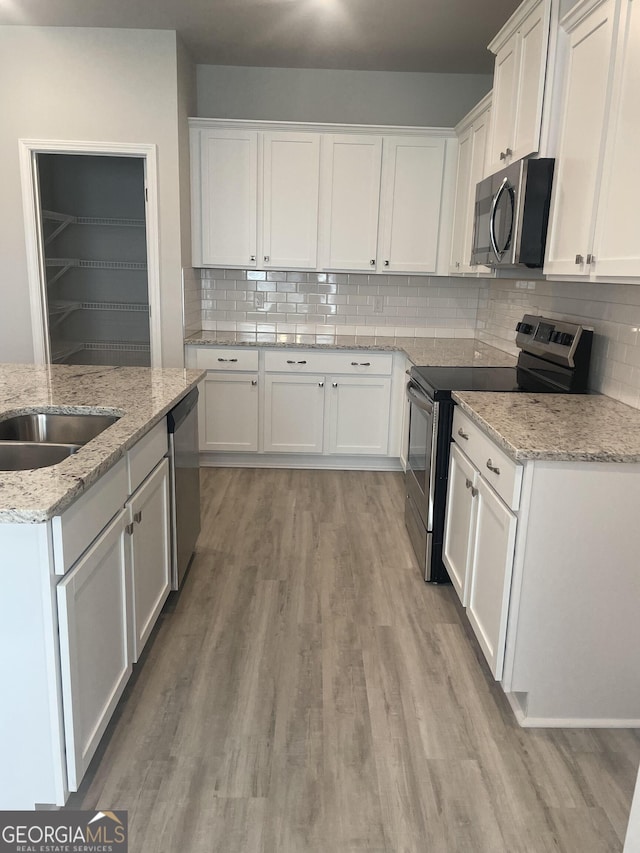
x,y
520,49
472,148
410,203
351,168
291,164
225,193
574,206
307,199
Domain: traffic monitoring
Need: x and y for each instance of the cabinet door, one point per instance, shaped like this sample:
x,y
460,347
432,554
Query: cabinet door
x,y
460,522
490,576
359,411
229,197
350,201
533,42
617,244
411,199
228,412
505,86
577,166
151,556
462,214
95,655
294,413
290,200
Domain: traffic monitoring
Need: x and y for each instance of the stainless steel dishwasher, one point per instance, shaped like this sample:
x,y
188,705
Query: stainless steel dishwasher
x,y
184,467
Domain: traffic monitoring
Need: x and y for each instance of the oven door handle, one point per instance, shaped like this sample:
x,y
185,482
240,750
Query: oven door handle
x,y
418,399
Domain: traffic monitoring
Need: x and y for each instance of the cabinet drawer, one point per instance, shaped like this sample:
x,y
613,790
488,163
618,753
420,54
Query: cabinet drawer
x,y
145,455
314,361
507,479
226,358
78,526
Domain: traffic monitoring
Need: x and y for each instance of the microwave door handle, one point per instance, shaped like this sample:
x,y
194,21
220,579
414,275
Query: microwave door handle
x,y
492,220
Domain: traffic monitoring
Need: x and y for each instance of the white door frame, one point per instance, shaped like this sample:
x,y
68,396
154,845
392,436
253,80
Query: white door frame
x,y
28,148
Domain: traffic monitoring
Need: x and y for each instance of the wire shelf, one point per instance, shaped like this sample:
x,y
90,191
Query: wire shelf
x,y
62,307
68,219
96,265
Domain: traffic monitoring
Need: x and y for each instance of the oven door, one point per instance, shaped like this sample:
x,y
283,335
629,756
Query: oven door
x,y
421,458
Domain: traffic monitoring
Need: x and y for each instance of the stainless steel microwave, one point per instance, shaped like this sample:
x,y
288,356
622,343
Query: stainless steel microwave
x,y
511,215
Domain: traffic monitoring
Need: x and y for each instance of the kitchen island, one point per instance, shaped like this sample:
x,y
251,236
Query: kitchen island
x,y
85,569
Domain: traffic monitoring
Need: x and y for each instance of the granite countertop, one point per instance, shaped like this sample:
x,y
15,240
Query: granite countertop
x,y
556,427
141,396
437,352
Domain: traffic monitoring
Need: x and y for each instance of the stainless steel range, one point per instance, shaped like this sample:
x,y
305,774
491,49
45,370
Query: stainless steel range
x,y
554,358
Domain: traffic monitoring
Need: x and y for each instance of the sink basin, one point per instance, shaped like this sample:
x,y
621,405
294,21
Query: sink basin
x,y
54,428
25,456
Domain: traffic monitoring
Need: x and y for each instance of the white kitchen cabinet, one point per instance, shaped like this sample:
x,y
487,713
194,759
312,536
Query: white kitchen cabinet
x,y
460,522
228,412
225,198
95,647
616,245
358,415
520,49
490,574
351,169
472,147
291,166
577,175
149,539
294,413
410,203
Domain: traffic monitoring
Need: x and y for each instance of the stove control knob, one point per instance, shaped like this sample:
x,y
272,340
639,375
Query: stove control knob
x,y
525,328
566,339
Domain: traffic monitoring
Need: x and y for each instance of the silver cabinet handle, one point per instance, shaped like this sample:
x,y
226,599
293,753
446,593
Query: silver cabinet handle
x,y
502,155
266,259
508,152
386,263
579,259
137,517
254,381
334,384
463,434
228,359
129,529
291,361
468,483
320,384
252,259
591,259
492,467
474,492
360,364
372,262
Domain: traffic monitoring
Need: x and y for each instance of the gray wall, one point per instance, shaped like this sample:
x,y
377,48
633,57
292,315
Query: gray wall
x,y
102,85
353,97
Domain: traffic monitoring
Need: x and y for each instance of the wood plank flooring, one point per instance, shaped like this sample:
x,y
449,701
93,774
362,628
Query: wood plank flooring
x,y
307,691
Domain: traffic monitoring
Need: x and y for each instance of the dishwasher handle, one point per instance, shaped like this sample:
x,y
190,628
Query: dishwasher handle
x,y
181,412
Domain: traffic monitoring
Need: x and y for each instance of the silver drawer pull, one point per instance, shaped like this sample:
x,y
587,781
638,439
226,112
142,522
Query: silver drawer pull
x,y
137,517
227,359
254,381
492,467
334,384
320,384
463,434
469,483
474,492
290,361
129,529
360,364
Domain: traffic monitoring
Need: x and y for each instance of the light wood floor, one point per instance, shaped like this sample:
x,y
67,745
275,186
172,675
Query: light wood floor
x,y
308,691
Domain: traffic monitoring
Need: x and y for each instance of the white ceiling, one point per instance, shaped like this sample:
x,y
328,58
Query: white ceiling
x,y
385,35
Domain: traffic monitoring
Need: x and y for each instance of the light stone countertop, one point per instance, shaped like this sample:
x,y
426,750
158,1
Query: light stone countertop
x,y
141,396
436,352
556,427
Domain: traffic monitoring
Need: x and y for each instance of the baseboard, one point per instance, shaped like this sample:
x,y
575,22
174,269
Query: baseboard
x,y
295,460
527,722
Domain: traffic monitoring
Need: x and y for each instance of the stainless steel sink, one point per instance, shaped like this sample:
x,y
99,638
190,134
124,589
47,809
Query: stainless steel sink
x,y
53,428
25,456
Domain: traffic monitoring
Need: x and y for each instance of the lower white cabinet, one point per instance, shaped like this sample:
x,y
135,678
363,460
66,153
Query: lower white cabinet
x,y
95,648
149,539
228,412
460,522
490,574
358,415
294,413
